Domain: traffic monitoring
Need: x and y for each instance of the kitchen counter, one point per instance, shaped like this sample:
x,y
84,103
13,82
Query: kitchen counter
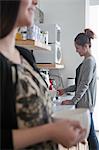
x,y
57,103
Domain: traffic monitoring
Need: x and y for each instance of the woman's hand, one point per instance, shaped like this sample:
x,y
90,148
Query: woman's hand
x,y
64,132
67,133
60,92
67,102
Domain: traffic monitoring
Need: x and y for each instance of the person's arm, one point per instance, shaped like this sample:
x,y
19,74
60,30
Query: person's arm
x,y
71,88
87,74
67,133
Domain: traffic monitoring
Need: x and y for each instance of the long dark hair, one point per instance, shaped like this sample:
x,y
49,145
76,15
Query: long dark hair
x,y
84,38
8,14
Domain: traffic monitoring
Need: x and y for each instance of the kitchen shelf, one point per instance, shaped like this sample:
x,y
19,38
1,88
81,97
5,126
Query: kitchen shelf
x,y
33,45
50,66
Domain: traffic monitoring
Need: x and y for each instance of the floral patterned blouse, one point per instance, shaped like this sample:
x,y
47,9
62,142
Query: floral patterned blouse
x,y
33,104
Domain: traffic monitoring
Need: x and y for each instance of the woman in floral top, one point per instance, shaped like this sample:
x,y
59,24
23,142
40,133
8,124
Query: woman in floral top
x,y
26,110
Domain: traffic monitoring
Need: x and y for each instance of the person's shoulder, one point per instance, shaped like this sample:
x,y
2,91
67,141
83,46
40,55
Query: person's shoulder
x,y
89,62
4,67
90,59
3,60
27,54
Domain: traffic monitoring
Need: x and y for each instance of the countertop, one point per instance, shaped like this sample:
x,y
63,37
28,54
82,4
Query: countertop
x,y
57,103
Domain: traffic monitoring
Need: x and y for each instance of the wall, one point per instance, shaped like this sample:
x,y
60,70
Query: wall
x,y
71,16
94,2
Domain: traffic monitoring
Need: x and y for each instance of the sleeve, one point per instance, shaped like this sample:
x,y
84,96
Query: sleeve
x,y
71,88
86,77
5,133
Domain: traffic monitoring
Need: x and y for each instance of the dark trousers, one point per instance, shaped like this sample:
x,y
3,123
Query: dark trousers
x,y
92,138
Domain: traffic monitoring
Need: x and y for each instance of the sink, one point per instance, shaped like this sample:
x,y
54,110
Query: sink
x,y
57,103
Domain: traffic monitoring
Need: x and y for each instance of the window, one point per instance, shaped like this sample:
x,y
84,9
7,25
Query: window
x,y
94,25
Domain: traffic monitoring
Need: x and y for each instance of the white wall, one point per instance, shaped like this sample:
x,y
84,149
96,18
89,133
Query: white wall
x,y
71,16
94,2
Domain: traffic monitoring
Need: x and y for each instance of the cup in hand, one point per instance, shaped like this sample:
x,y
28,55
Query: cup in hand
x,y
81,114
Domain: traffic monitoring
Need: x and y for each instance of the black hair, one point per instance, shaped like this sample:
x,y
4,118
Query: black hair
x,y
8,14
85,37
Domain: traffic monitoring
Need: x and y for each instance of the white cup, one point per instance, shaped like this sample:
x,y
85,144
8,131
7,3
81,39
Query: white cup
x,y
81,114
